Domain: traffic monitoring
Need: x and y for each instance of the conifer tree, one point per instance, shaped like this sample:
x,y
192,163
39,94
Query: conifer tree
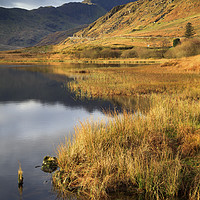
x,y
189,30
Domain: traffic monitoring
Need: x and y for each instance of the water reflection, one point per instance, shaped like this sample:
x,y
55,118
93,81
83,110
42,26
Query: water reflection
x,y
36,112
17,86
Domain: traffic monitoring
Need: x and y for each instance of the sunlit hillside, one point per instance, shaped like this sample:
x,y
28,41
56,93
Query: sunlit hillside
x,y
140,23
147,18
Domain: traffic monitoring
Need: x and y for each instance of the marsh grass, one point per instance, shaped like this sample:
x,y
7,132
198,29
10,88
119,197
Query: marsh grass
x,y
135,153
109,83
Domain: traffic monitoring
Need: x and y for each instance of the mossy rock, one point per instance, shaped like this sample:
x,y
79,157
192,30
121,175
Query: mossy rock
x,y
49,164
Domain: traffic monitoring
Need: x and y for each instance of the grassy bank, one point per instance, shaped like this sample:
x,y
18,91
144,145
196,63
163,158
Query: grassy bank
x,y
154,154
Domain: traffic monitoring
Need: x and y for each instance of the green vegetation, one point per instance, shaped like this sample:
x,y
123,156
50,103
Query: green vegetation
x,y
155,153
176,42
189,30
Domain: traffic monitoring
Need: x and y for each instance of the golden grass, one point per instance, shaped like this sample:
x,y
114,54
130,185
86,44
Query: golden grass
x,y
135,153
190,64
155,152
109,83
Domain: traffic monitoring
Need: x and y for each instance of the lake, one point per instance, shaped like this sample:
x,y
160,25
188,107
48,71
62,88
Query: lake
x,y
36,113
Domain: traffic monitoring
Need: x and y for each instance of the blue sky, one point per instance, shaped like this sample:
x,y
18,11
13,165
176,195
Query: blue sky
x,y
32,4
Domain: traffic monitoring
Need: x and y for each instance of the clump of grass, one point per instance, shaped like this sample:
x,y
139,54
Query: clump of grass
x,y
132,152
20,175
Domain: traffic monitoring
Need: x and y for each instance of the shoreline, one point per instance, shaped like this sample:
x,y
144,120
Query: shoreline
x,y
85,61
157,156
186,64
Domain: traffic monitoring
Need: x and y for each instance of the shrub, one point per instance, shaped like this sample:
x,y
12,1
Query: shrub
x,y
109,53
89,53
131,53
176,42
149,53
141,52
190,47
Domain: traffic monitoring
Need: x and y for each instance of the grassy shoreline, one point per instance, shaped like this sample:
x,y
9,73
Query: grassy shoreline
x,y
155,153
85,61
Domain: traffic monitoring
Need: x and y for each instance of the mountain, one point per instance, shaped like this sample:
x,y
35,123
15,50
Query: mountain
x,y
108,4
19,27
59,36
156,18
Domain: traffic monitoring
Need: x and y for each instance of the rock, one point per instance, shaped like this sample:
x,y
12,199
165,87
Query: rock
x,y
49,164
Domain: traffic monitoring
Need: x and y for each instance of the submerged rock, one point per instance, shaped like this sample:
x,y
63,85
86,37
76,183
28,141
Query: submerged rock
x,y
49,164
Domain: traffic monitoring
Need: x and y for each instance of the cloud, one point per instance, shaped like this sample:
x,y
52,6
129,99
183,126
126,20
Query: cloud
x,y
32,4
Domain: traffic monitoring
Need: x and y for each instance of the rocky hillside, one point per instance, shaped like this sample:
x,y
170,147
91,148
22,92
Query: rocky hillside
x,y
59,36
108,4
146,18
19,27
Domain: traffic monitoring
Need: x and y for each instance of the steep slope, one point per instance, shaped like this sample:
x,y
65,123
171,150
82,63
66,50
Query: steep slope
x,y
108,4
147,18
19,27
59,36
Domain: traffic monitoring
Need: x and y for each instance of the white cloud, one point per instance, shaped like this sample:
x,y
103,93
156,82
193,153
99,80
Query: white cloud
x,y
23,5
33,4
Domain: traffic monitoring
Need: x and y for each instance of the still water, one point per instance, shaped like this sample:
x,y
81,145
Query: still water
x,y
36,113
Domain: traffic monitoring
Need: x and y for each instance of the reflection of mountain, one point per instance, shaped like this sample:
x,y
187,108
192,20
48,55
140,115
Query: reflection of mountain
x,y
17,85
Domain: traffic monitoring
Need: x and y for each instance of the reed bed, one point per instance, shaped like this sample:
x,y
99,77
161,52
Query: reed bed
x,y
155,154
108,83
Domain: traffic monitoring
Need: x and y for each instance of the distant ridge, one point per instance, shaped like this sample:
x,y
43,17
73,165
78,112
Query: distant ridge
x,y
108,4
20,27
23,28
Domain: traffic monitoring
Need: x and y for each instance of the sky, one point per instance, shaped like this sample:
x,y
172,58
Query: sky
x,y
32,4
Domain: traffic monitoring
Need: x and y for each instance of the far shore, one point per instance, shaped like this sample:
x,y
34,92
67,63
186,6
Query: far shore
x,y
84,61
183,64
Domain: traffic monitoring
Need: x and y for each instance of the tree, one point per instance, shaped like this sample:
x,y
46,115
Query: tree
x,y
176,42
189,30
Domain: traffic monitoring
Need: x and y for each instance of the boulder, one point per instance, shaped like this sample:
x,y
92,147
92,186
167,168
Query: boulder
x,y
49,164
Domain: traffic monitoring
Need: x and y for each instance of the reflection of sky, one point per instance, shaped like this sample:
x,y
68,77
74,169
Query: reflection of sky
x,y
36,113
30,130
30,119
